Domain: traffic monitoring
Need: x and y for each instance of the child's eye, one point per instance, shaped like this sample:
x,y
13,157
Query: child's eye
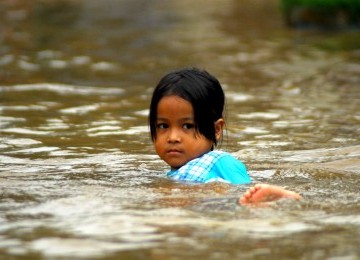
x,y
188,126
162,126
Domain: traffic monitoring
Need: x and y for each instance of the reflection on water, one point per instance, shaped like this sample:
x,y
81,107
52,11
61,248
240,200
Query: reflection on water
x,y
79,177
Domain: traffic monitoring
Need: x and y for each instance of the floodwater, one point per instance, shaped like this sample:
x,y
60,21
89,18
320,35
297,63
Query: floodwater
x,y
79,177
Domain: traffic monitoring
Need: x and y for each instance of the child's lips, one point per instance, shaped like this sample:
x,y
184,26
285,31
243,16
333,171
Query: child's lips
x,y
174,152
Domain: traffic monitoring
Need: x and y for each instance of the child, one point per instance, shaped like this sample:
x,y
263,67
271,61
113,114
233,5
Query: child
x,y
186,123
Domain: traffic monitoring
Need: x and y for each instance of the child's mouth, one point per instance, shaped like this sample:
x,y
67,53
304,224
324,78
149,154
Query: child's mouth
x,y
174,152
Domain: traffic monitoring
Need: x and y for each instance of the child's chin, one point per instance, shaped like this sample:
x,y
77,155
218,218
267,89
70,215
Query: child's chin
x,y
175,166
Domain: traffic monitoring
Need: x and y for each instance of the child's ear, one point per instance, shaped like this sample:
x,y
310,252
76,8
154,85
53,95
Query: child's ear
x,y
219,127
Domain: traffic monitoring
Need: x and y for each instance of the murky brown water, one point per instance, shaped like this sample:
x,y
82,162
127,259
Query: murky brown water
x,y
79,177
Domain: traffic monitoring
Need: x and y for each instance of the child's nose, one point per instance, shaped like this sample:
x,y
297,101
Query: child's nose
x,y
174,136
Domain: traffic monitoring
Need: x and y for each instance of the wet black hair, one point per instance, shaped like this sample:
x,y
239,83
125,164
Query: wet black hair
x,y
198,87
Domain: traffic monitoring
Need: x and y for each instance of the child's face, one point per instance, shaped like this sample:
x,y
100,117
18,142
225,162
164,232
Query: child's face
x,y
177,141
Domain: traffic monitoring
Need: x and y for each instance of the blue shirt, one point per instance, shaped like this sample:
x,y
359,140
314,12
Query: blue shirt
x,y
212,166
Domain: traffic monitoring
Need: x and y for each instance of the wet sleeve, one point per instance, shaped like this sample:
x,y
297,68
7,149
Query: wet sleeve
x,y
231,170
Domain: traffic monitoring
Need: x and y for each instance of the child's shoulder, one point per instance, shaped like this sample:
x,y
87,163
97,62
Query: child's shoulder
x,y
229,169
219,154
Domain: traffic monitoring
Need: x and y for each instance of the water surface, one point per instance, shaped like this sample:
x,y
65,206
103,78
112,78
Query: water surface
x,y
79,177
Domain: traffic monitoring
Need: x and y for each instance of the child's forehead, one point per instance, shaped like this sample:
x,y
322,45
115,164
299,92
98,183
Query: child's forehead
x,y
174,99
174,107
173,96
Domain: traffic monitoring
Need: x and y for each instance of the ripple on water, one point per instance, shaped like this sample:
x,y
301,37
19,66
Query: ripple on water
x,y
19,141
323,154
92,216
144,112
24,108
5,120
80,247
104,130
64,89
80,110
264,143
255,130
292,123
136,130
24,131
35,150
237,97
259,115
